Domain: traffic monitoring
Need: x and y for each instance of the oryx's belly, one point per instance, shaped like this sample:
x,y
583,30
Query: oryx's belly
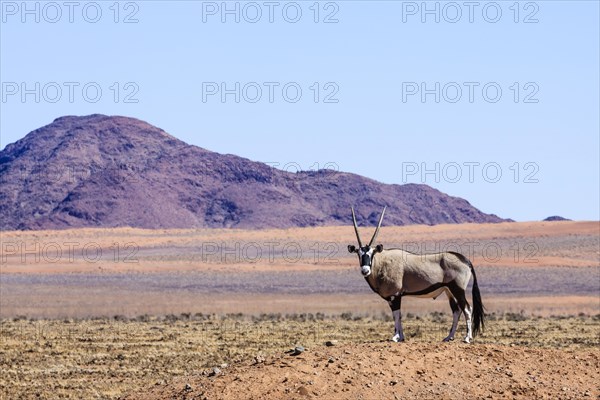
x,y
430,291
434,293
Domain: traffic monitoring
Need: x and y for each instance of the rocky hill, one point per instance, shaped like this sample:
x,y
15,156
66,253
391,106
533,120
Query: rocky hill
x,y
109,171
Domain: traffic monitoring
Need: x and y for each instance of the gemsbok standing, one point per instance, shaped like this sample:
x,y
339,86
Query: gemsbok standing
x,y
396,273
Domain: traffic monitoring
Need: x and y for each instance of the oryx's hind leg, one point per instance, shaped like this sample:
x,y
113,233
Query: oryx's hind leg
x,y
455,317
461,299
395,306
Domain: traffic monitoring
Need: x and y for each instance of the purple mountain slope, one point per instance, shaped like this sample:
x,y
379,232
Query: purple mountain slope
x,y
103,171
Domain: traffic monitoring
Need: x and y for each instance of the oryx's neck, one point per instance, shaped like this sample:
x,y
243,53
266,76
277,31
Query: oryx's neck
x,y
372,279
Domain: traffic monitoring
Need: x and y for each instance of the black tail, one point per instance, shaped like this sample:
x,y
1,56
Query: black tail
x,y
478,309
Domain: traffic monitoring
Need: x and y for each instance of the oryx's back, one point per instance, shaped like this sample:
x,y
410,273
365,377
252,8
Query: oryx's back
x,y
438,267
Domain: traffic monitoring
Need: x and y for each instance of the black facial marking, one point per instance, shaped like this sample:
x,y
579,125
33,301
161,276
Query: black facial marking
x,y
365,259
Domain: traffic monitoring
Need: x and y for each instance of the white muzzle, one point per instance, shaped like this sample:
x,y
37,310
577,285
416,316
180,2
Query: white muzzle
x,y
365,270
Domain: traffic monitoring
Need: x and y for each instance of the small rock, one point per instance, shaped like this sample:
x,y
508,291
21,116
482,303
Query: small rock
x,y
215,371
303,391
224,365
187,387
297,350
259,359
331,360
330,343
393,382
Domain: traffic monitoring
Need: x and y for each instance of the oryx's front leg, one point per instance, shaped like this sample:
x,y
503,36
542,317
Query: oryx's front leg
x,y
395,306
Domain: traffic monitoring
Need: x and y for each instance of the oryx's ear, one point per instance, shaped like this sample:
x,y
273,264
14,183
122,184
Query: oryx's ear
x,y
379,248
351,249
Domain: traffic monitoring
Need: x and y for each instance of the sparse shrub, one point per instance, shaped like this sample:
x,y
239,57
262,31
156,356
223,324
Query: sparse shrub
x,y
171,318
297,317
120,318
143,318
346,316
416,333
438,317
267,317
516,317
386,316
185,316
199,317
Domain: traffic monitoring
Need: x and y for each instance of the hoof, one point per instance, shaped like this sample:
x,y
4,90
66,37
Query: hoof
x,y
448,339
466,340
397,339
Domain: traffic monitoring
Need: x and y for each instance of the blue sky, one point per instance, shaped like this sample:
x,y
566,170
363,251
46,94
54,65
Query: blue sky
x,y
497,102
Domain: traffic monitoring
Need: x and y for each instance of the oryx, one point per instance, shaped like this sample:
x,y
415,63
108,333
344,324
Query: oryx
x,y
395,273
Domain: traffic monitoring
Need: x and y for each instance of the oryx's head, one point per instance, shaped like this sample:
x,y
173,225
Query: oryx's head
x,y
366,253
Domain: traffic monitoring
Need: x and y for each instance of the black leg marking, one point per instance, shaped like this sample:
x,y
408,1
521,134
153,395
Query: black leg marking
x,y
453,305
459,295
395,303
463,304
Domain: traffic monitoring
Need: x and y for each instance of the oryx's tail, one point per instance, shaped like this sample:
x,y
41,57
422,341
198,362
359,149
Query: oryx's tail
x,y
478,309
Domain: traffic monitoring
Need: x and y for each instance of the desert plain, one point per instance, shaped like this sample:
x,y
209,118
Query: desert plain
x,y
210,313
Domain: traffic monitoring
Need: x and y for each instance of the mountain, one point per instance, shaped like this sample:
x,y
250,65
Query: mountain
x,y
556,218
108,171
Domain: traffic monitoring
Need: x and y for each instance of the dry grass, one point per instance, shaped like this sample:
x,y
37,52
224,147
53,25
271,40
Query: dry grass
x,y
107,358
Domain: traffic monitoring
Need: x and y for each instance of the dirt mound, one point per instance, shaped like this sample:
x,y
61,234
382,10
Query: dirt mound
x,y
398,371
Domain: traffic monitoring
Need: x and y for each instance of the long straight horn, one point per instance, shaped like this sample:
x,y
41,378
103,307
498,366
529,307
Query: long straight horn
x,y
378,226
356,228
